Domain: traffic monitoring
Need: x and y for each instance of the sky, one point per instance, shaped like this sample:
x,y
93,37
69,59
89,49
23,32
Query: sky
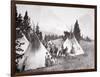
x,y
59,19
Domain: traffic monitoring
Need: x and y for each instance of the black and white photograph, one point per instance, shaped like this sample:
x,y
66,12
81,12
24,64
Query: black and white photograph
x,y
54,38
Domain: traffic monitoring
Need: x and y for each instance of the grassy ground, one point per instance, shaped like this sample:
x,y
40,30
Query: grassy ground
x,y
85,61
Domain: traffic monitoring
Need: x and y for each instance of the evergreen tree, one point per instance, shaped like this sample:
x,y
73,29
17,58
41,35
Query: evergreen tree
x,y
26,26
77,31
45,38
37,29
38,32
26,22
40,35
19,23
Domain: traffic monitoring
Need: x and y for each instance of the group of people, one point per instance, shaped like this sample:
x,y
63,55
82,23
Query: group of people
x,y
53,53
51,47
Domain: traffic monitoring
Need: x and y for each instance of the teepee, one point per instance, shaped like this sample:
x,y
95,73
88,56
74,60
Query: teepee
x,y
34,56
72,45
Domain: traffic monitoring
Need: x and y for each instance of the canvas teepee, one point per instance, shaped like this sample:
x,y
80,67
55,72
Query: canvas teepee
x,y
34,56
73,47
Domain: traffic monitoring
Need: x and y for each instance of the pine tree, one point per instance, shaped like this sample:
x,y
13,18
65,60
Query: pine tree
x,y
77,31
37,29
26,22
26,26
38,32
19,23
